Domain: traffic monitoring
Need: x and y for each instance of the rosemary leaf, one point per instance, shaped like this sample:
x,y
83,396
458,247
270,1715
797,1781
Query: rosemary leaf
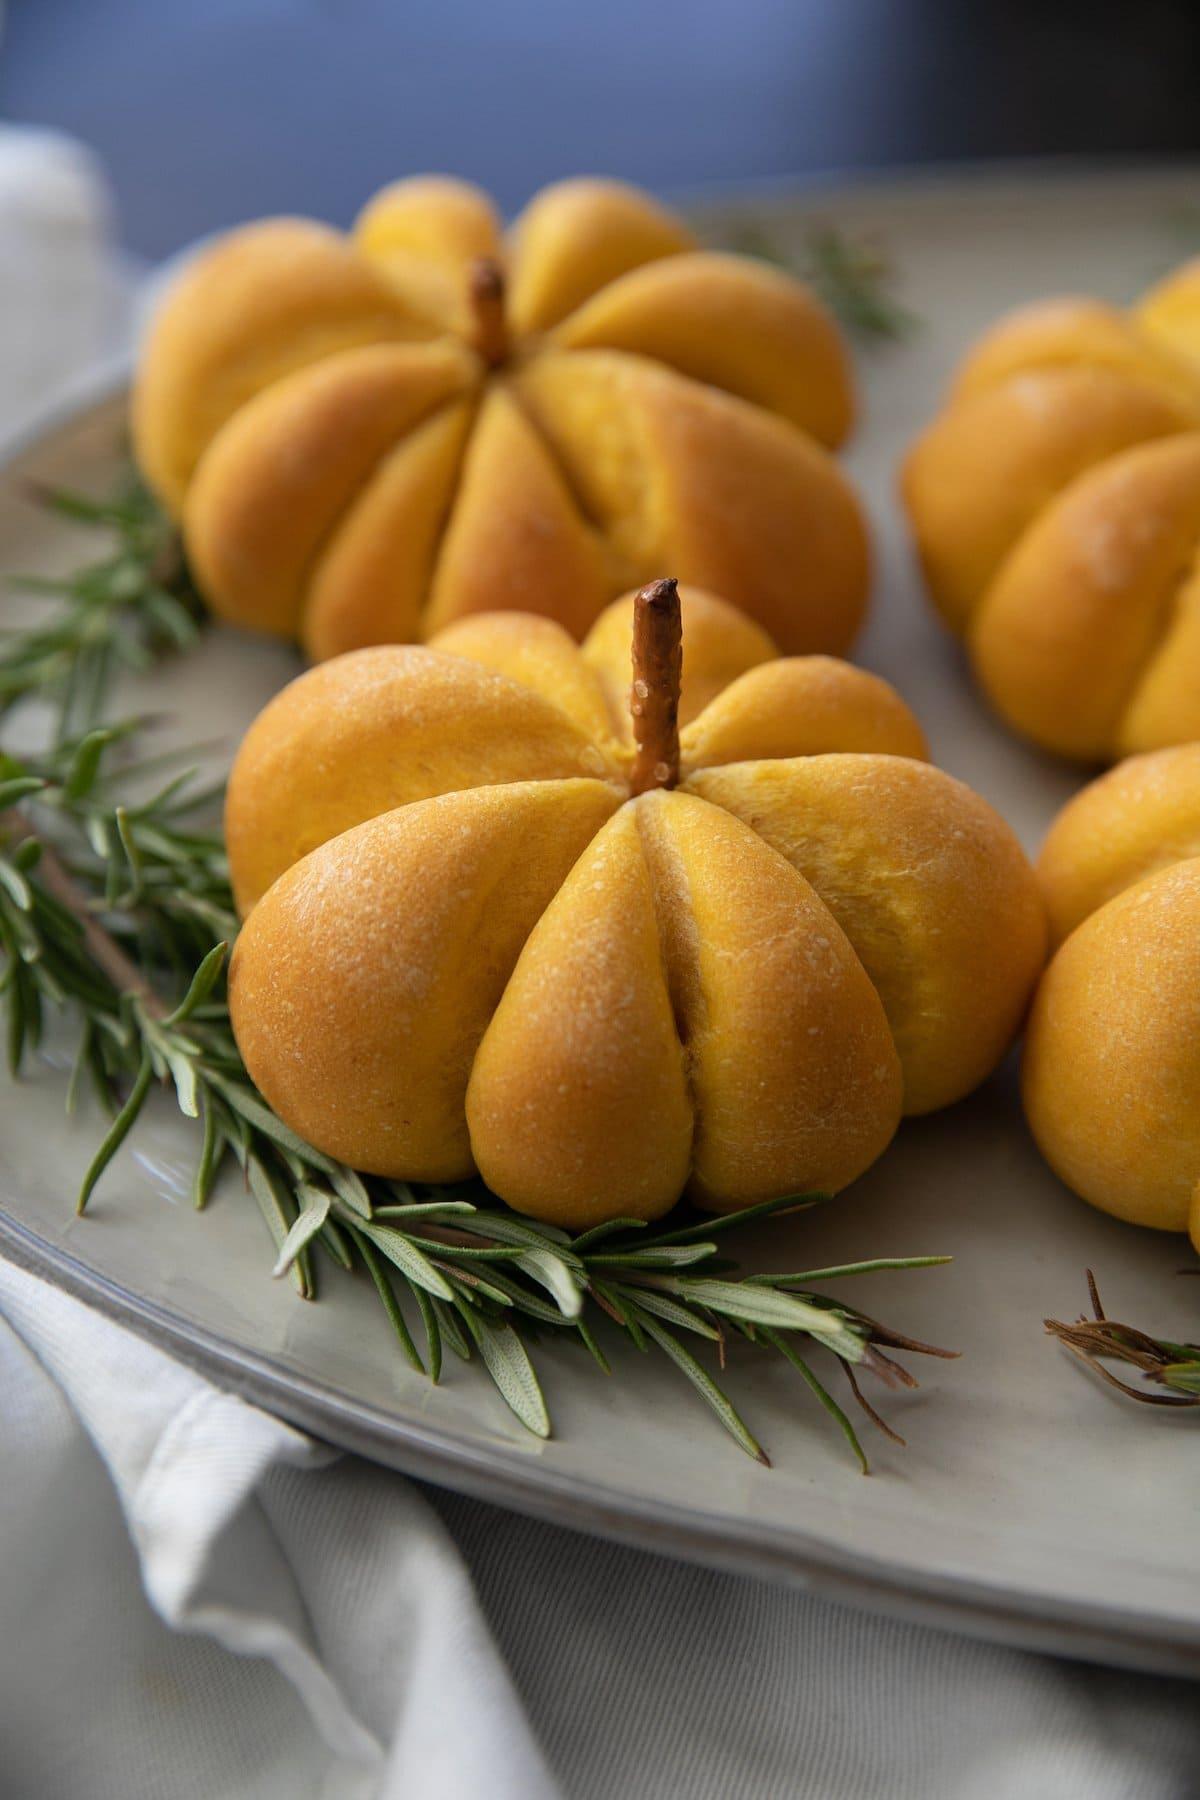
x,y
347,1184
306,1227
384,1289
654,1256
837,1271
451,1331
201,986
278,1213
556,1276
210,1152
18,889
597,1234
592,1347
412,1263
19,787
333,1241
704,1385
504,1291
507,1362
665,1308
826,1399
507,1228
118,1131
431,1209
433,1334
762,1306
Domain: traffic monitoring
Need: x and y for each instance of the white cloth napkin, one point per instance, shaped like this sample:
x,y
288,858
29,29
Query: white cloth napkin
x,y
195,1600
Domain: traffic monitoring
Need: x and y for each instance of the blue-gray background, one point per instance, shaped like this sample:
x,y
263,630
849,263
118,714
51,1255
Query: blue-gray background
x,y
209,111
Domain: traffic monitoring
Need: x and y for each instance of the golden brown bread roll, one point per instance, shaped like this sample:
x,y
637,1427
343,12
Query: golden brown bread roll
x,y
1111,1072
1055,507
496,923
368,437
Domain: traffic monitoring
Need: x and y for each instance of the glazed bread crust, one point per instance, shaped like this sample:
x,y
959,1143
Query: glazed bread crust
x,y
1055,507
355,458
1111,1071
470,947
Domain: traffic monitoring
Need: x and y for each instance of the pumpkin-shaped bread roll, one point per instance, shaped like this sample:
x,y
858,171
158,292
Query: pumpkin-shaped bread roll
x,y
606,942
366,437
1055,507
1111,1072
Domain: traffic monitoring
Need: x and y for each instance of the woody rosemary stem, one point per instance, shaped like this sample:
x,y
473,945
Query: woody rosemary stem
x,y
489,334
654,694
103,948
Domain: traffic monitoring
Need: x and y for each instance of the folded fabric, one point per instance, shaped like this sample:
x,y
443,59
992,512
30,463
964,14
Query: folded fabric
x,y
197,1600
648,1679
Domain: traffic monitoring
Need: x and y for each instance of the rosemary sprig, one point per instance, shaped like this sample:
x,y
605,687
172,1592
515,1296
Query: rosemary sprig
x,y
123,610
115,909
1161,1362
853,275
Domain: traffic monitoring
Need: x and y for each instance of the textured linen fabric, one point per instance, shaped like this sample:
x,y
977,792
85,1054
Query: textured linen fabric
x,y
198,1603
652,1678
196,1600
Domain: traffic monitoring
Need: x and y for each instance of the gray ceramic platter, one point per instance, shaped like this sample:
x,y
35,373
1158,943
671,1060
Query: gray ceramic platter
x,y
1031,1505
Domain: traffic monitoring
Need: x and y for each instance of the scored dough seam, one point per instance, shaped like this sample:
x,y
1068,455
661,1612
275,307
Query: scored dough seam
x,y
1168,613
448,518
1055,494
678,946
326,542
620,572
